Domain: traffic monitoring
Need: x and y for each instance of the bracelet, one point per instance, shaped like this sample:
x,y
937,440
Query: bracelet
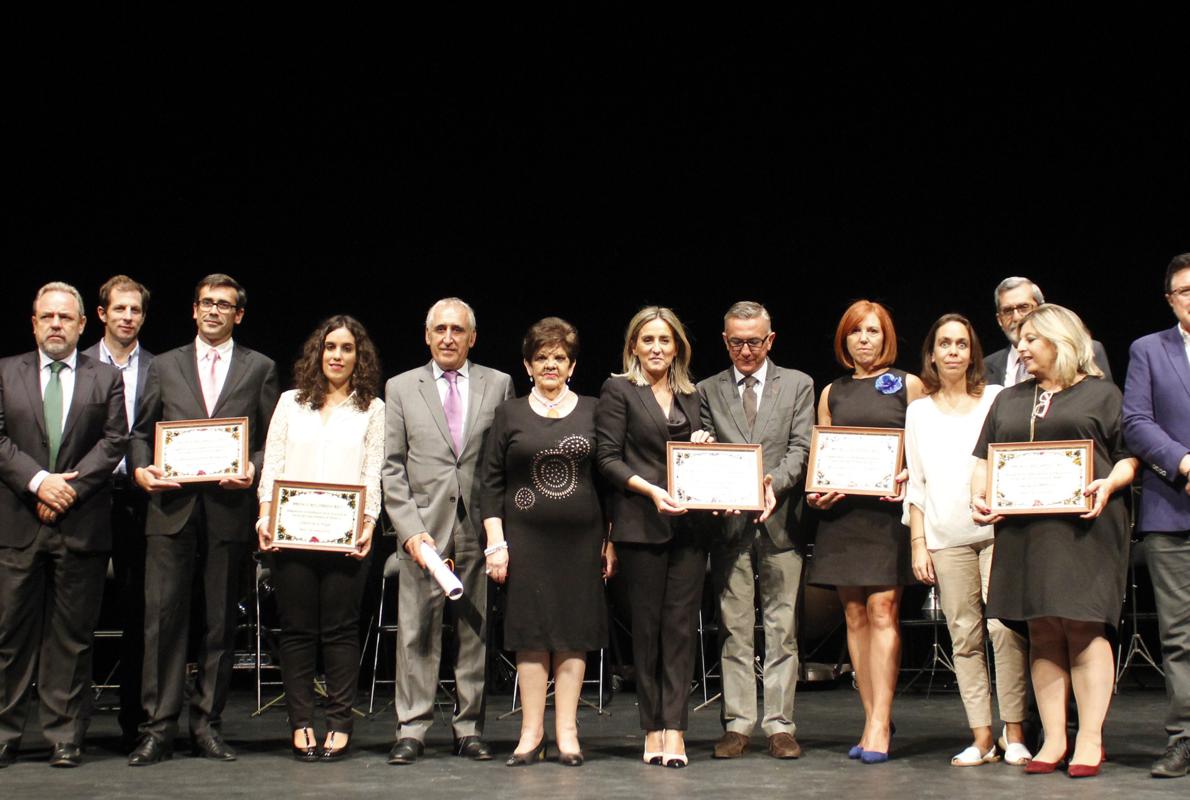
x,y
496,548
917,539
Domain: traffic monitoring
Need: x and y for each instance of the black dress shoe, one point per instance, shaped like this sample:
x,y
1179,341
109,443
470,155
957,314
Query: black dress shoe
x,y
307,753
151,750
8,754
335,753
571,759
1174,762
529,758
211,745
474,748
405,751
66,754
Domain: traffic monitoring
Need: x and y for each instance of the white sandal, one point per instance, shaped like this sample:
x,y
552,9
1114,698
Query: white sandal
x,y
1017,755
971,757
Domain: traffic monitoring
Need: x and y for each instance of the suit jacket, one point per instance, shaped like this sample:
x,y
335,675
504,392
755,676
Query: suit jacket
x,y
784,420
1157,427
142,367
171,391
995,365
94,439
631,436
424,480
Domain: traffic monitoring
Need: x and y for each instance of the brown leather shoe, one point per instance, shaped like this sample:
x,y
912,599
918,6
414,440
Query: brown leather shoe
x,y
732,745
783,745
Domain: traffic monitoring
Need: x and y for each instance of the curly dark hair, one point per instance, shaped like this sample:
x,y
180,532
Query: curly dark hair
x,y
550,332
307,370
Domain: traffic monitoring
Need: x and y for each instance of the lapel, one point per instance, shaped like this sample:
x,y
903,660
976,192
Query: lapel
x,y
84,377
690,407
30,374
1172,340
429,393
731,399
189,368
142,373
652,408
476,388
235,374
768,401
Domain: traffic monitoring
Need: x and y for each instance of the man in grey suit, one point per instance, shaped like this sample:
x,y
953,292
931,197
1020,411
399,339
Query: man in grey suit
x,y
1015,297
437,419
62,431
202,531
123,304
758,402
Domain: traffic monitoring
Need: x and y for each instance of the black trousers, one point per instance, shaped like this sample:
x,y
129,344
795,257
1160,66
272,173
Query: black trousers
x,y
318,598
172,565
665,590
50,598
128,566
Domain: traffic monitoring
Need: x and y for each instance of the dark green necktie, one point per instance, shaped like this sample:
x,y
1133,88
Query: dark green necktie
x,y
53,412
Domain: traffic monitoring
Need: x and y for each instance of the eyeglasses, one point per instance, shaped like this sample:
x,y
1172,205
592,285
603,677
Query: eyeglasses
x,y
753,344
1011,311
1182,293
206,304
1043,405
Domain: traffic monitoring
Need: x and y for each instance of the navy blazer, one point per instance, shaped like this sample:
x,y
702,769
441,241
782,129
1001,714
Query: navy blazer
x,y
1157,427
631,436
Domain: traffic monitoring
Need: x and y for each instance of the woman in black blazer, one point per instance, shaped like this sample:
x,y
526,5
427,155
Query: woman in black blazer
x,y
661,557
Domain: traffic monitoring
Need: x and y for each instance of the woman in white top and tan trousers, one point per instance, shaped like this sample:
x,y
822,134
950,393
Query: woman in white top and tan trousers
x,y
330,429
949,549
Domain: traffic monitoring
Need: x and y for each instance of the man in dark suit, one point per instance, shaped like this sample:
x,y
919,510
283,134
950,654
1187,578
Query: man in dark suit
x,y
755,401
203,531
1016,297
62,431
123,304
1157,430
436,423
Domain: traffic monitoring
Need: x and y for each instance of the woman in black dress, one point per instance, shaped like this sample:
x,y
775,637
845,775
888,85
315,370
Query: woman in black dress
x,y
862,548
544,530
1062,575
663,560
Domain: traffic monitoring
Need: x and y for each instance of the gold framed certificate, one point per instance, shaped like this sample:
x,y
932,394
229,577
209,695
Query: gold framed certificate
x,y
1040,477
202,450
716,476
317,516
855,460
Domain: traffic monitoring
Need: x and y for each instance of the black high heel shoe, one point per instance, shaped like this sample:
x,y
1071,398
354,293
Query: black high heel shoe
x,y
335,753
525,759
307,754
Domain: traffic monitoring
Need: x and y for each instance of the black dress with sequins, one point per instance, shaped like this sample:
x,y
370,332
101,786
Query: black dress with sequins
x,y
538,476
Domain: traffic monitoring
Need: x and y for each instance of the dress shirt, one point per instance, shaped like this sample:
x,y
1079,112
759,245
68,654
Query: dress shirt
x,y
1010,367
759,375
66,376
1185,340
130,372
201,348
464,394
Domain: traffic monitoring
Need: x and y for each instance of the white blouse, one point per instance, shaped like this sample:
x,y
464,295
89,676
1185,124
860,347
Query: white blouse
x,y
347,448
938,454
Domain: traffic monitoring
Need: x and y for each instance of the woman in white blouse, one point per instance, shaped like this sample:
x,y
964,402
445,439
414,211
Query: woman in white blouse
x,y
949,549
330,429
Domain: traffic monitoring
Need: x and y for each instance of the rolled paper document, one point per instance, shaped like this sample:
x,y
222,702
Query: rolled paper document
x,y
440,572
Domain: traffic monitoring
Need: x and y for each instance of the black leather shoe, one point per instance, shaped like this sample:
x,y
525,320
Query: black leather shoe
x,y
1174,762
335,753
307,753
211,745
474,748
66,754
405,751
151,750
8,754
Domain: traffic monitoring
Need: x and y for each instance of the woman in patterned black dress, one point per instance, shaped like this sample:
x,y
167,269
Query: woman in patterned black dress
x,y
544,530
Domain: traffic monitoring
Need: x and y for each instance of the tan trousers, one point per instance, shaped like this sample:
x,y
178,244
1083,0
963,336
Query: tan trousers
x,y
963,589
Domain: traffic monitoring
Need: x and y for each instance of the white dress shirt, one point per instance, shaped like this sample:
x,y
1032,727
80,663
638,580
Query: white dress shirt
x,y
760,375
463,382
1185,340
1011,366
201,351
66,377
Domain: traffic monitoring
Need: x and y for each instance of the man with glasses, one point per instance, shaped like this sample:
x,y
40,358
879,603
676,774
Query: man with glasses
x,y
202,531
1016,297
1157,430
755,401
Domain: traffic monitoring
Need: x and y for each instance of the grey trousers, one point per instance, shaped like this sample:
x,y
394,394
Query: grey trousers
x,y
1169,566
734,582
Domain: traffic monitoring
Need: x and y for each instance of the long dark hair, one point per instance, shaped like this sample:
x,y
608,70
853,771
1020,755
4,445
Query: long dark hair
x,y
311,384
930,380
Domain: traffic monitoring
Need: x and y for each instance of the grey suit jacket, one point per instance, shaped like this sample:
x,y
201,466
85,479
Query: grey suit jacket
x,y
424,480
171,391
995,364
142,367
94,438
784,420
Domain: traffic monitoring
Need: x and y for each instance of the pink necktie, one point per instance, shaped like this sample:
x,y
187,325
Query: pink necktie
x,y
454,409
210,382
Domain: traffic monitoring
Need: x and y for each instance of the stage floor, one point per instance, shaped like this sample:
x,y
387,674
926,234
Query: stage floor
x,y
930,731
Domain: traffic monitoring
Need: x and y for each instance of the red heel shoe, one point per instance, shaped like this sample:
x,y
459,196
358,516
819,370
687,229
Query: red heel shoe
x,y
1087,770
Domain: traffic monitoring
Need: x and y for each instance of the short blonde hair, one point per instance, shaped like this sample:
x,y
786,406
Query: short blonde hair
x,y
679,368
1062,328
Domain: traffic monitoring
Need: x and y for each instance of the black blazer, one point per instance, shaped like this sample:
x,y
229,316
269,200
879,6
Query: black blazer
x,y
996,363
94,439
631,436
172,392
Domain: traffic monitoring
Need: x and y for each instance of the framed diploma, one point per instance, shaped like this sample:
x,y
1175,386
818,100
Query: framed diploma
x,y
1040,477
317,516
855,460
716,476
202,450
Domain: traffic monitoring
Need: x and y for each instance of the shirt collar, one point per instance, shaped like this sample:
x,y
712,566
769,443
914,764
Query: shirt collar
x,y
105,355
71,361
202,348
758,374
1185,335
463,370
